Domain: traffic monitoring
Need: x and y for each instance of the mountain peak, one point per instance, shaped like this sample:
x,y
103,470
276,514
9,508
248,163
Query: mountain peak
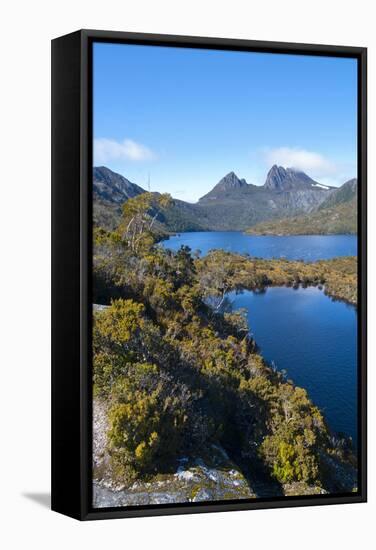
x,y
229,183
275,177
287,179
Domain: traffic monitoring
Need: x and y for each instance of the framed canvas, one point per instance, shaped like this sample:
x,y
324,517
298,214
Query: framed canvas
x,y
208,274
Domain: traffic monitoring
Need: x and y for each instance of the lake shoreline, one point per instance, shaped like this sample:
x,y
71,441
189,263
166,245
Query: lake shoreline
x,y
338,276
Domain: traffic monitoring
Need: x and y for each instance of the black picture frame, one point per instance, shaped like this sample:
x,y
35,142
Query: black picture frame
x,y
71,271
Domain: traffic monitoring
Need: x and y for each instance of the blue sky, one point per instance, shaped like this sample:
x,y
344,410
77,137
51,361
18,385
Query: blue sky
x,y
187,117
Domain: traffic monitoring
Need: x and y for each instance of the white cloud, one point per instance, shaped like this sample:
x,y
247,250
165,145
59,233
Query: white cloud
x,y
308,161
106,150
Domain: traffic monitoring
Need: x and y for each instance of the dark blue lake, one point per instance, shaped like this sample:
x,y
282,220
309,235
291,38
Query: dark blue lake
x,y
294,247
315,340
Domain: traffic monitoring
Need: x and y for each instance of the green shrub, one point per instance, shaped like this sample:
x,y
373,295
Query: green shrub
x,y
145,427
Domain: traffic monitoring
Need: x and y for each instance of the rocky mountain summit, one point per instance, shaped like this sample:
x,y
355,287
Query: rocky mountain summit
x,y
227,185
288,179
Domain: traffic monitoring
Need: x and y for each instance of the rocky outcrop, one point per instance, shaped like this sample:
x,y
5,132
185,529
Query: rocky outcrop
x,y
112,187
194,481
210,477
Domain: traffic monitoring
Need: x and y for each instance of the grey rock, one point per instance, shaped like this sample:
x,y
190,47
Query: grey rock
x,y
112,187
287,179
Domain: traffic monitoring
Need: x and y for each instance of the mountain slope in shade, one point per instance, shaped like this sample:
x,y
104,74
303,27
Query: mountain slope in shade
x,y
343,194
113,187
337,215
110,191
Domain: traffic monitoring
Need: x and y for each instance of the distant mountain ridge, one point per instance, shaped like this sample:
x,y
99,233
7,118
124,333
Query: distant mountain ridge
x,y
278,179
231,205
